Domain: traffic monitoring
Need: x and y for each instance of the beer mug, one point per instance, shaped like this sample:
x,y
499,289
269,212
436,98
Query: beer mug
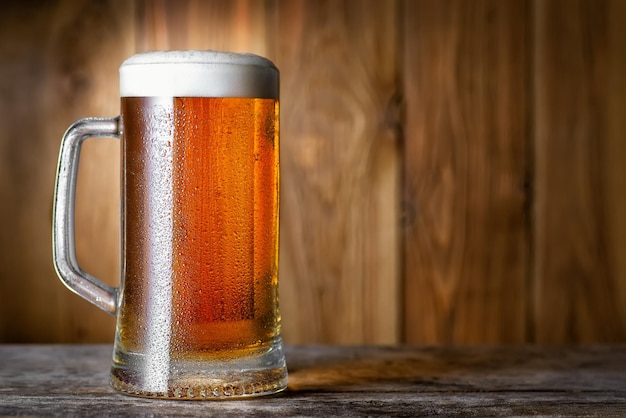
x,y
197,305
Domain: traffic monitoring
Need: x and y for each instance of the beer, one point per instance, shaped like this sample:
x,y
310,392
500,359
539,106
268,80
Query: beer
x,y
221,204
198,310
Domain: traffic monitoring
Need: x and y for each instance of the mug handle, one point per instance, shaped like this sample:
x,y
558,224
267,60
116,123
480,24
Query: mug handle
x,y
63,245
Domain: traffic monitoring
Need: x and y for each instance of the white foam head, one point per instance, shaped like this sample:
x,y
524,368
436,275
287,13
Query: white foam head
x,y
198,74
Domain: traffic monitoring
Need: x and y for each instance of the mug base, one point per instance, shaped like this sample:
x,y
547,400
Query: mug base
x,y
188,379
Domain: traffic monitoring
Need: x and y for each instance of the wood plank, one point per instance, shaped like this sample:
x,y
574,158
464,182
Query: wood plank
x,y
615,163
340,266
59,64
580,172
22,256
467,219
238,26
466,171
338,381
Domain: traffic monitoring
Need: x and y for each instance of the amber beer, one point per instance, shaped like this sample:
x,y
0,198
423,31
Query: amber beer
x,y
200,188
222,155
197,305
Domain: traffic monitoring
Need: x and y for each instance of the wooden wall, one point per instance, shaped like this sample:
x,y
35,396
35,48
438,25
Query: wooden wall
x,y
453,171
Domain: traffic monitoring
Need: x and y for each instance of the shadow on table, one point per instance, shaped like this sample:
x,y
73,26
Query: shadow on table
x,y
436,369
367,368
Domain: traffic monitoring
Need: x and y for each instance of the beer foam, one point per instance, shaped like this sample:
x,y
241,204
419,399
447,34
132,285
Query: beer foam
x,y
198,74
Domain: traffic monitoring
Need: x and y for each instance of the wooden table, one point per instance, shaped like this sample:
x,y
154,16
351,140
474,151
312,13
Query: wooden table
x,y
61,380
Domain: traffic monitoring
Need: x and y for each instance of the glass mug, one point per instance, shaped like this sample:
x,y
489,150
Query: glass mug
x,y
197,305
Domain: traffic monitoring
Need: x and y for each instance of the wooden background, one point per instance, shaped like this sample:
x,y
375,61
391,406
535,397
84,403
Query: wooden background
x,y
453,171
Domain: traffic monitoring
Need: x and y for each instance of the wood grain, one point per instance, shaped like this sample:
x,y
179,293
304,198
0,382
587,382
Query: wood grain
x,y
579,294
340,280
340,171
25,179
453,172
59,64
342,381
238,26
615,163
466,171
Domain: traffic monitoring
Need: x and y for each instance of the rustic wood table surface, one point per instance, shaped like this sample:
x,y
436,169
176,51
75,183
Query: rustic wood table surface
x,y
62,380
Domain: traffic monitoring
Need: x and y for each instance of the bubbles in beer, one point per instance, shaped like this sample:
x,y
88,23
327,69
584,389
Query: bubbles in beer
x,y
201,238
